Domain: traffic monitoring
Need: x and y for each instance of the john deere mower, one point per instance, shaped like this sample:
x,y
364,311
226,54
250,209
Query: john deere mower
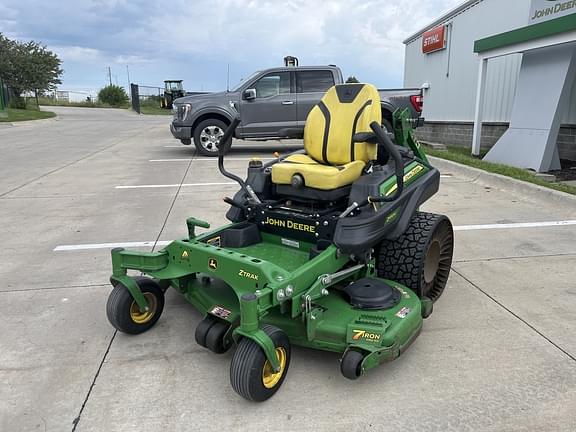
x,y
326,249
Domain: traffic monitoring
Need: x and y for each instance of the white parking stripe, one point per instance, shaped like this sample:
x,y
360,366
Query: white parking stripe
x,y
514,225
109,245
456,228
208,159
174,185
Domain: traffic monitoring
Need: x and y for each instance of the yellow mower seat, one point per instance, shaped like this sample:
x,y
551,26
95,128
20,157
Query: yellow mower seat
x,y
332,159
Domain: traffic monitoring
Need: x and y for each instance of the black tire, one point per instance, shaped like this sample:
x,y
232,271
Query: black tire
x,y
204,147
387,125
421,257
123,312
247,369
351,365
202,330
215,341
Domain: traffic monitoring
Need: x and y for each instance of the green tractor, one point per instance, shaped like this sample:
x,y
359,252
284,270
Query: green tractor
x,y
326,249
172,91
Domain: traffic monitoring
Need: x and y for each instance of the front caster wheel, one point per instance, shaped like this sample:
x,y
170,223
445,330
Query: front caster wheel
x,y
351,366
123,311
251,374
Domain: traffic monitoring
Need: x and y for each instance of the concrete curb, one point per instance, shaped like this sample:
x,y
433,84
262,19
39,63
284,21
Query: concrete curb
x,y
502,182
39,121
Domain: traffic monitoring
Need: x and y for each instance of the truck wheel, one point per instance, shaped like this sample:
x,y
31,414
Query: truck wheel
x,y
387,125
207,136
421,257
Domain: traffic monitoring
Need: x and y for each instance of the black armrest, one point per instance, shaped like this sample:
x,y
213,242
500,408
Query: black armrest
x,y
361,137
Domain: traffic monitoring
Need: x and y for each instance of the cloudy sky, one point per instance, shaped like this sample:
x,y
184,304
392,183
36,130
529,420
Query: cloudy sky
x,y
195,40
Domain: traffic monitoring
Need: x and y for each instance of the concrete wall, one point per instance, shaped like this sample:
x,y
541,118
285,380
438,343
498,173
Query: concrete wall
x,y
460,134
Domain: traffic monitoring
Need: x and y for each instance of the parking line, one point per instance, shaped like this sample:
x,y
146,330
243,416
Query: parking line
x,y
456,228
108,245
514,225
206,159
174,185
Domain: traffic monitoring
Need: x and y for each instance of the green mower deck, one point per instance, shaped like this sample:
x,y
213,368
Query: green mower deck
x,y
269,293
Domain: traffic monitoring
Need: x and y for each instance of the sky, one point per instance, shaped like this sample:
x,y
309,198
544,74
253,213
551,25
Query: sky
x,y
196,40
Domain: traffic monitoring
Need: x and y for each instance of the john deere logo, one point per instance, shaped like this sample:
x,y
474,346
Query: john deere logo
x,y
185,255
363,334
555,9
212,263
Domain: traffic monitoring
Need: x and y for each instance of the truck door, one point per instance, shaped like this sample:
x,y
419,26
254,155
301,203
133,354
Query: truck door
x,y
273,107
310,87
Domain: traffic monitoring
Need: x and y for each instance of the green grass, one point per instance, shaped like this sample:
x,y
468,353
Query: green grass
x,y
83,104
462,155
146,107
15,115
154,110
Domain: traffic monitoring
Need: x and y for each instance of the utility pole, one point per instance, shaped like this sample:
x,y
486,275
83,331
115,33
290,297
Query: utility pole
x,y
129,88
128,73
228,79
109,75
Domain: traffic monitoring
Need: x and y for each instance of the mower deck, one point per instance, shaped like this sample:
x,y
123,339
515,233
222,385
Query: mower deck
x,y
202,273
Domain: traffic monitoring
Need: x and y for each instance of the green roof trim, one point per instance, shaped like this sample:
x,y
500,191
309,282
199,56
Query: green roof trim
x,y
524,34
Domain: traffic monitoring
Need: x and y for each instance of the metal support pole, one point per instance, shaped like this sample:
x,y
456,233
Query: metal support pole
x,y
3,112
477,134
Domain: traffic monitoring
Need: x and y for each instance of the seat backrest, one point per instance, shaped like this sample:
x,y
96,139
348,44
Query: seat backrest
x,y
344,110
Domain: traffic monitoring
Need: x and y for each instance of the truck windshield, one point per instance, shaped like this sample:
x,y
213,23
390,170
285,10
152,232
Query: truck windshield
x,y
243,81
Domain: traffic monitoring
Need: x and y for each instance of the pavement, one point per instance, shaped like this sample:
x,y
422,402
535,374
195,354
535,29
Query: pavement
x,y
498,354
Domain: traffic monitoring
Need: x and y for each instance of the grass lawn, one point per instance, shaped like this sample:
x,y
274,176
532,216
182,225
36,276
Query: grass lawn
x,y
15,115
155,110
462,155
80,104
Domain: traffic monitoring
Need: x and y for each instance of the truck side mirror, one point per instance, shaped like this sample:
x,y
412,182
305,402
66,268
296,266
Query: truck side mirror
x,y
249,94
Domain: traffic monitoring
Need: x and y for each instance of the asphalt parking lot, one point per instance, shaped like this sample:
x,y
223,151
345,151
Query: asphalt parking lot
x,y
498,354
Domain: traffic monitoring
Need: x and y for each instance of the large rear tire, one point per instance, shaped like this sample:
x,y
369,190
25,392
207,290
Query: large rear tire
x,y
421,257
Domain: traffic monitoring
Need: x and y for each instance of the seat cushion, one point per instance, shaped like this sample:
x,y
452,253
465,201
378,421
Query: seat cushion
x,y
315,175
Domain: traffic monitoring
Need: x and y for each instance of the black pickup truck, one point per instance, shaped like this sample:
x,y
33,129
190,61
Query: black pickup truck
x,y
269,101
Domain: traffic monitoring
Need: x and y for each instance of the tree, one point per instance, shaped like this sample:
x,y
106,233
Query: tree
x,y
352,79
113,95
28,66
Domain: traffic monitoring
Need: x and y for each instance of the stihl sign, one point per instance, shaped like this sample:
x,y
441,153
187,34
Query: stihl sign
x,y
434,40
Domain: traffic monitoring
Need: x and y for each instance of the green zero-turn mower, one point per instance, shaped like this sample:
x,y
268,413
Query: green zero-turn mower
x,y
327,249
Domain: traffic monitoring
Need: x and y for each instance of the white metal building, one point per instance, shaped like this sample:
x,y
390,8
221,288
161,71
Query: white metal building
x,y
449,73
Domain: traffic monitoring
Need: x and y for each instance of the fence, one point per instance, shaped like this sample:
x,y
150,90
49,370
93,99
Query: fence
x,y
145,96
3,100
150,96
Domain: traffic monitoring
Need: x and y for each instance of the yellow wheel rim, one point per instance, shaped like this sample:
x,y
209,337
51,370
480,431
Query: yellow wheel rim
x,y
269,377
142,317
